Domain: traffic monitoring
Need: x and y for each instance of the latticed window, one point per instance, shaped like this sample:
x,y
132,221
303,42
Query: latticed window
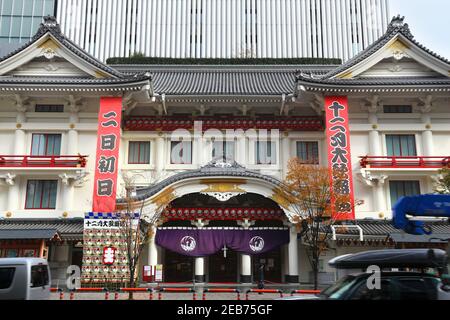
x,y
308,151
223,150
399,189
401,145
266,152
46,145
139,152
41,194
181,152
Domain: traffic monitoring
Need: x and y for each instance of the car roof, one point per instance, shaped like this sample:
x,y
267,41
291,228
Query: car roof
x,y
31,261
398,274
392,258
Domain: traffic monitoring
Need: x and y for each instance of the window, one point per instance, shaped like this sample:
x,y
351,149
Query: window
x,y
266,152
223,150
41,194
39,276
181,152
46,145
401,145
6,277
399,189
364,293
49,108
397,109
413,289
308,151
139,152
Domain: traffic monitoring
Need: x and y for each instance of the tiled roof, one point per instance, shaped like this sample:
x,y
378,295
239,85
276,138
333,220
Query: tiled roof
x,y
15,234
69,229
223,79
373,82
13,80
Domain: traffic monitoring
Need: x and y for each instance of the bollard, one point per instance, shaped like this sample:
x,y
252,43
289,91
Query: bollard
x,y
106,294
150,296
72,295
159,295
204,295
116,296
194,295
238,298
61,294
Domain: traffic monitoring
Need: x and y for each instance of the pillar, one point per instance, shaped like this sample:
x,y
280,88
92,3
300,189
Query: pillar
x,y
293,276
72,141
246,269
200,269
427,135
378,194
152,249
160,152
14,194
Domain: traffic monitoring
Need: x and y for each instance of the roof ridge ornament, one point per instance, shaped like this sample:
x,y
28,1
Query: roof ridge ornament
x,y
222,164
398,25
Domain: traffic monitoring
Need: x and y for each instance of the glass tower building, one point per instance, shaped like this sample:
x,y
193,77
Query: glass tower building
x,y
20,19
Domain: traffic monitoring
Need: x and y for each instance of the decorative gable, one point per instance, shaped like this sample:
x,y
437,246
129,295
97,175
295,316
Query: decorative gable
x,y
396,54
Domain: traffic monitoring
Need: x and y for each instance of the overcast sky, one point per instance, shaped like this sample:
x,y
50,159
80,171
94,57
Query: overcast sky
x,y
429,21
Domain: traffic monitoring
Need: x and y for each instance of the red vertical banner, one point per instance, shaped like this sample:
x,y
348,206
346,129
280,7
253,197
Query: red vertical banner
x,y
107,158
339,157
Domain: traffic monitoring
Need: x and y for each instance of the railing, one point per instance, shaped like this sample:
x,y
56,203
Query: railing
x,y
170,123
404,162
13,161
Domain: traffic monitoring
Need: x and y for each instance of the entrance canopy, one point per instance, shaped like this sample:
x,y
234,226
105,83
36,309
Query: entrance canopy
x,y
208,241
222,181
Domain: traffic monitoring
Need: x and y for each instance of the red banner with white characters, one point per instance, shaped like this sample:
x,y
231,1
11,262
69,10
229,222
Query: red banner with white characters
x,y
339,157
107,159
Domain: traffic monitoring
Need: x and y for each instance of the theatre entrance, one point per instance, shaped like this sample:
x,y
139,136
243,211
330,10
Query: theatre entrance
x,y
178,268
272,266
223,269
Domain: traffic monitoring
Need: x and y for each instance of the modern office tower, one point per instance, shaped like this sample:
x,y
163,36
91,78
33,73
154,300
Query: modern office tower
x,y
224,28
20,19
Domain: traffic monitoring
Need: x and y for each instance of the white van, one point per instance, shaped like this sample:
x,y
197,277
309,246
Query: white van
x,y
24,279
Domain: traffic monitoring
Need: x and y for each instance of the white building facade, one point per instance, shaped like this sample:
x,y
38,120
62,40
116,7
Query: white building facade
x,y
224,28
398,97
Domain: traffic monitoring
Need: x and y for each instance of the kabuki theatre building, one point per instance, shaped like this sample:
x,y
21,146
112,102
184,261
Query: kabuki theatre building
x,y
202,150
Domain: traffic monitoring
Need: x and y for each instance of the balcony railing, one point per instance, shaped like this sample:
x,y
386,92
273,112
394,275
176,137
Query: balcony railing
x,y
404,162
170,123
13,161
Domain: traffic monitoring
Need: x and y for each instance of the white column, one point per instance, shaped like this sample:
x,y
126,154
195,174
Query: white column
x,y
68,191
160,152
152,249
379,198
13,195
374,135
200,269
246,268
292,277
427,136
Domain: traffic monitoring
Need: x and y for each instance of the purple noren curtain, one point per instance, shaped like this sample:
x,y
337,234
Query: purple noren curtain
x,y
206,242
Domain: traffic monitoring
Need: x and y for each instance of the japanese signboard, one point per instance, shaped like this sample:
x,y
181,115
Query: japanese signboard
x,y
108,139
339,157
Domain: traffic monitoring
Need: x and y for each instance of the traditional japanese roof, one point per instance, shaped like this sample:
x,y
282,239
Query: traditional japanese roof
x,y
51,50
67,229
396,49
45,234
213,169
222,80
384,229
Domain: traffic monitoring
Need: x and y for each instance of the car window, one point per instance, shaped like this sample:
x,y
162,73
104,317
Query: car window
x,y
363,292
327,293
412,289
39,276
6,277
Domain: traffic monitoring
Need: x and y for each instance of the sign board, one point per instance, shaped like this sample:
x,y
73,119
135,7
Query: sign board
x,y
107,157
153,273
339,156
